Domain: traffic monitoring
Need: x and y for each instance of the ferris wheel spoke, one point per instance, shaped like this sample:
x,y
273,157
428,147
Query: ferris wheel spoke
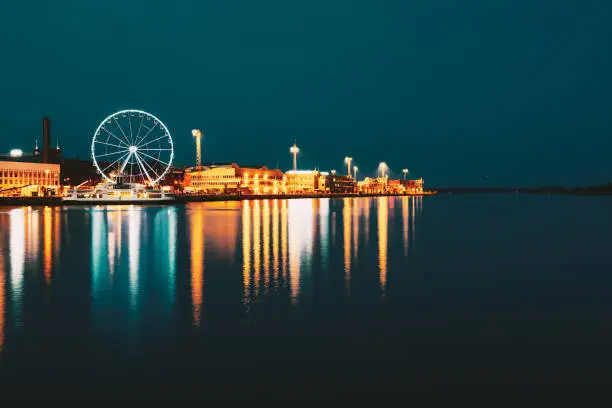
x,y
131,134
154,140
115,162
147,134
121,129
110,144
144,169
163,150
115,136
110,154
155,158
151,169
139,127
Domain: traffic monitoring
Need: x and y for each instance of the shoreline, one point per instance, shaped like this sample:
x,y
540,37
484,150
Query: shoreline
x,y
184,199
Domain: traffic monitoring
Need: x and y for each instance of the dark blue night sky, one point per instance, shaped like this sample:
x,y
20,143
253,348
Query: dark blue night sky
x,y
519,91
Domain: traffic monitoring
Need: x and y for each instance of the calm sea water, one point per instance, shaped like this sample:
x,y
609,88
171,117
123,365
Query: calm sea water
x,y
299,298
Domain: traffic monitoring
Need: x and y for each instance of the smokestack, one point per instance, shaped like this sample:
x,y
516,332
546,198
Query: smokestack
x,y
46,139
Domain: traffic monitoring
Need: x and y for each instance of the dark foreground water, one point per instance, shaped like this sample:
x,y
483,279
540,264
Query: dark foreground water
x,y
377,297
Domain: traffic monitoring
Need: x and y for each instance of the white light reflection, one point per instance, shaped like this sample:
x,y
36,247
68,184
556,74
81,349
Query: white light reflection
x,y
164,235
32,241
2,311
134,251
99,250
17,258
172,237
300,241
324,229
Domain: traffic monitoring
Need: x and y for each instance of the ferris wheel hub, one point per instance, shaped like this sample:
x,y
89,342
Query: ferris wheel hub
x,y
133,149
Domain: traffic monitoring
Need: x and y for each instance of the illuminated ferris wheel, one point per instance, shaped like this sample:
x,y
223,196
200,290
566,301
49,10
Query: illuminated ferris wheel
x,y
132,146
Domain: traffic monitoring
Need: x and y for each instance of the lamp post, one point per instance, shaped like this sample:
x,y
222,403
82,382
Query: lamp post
x,y
405,171
294,150
355,168
348,161
198,135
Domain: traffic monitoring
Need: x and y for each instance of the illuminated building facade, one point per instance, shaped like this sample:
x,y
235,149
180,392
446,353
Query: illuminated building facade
x,y
338,184
211,179
230,177
261,180
382,185
413,186
18,178
302,181
373,185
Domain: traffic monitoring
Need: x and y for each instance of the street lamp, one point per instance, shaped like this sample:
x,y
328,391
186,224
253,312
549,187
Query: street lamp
x,y
198,135
355,168
333,172
294,150
348,161
405,171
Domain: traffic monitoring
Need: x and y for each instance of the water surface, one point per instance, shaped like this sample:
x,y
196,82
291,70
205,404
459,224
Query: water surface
x,y
309,296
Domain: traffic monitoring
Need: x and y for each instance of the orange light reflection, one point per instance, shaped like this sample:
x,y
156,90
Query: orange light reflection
x,y
256,245
382,239
275,239
246,248
405,217
197,263
266,242
47,243
346,240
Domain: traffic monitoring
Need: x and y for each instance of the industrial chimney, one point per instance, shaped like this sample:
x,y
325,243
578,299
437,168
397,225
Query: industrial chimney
x,y
46,139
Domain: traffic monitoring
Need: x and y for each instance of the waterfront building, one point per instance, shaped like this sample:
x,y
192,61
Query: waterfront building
x,y
232,178
337,184
20,178
303,181
174,179
383,185
413,186
373,185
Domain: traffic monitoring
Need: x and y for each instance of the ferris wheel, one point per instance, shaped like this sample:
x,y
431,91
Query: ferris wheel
x,y
134,145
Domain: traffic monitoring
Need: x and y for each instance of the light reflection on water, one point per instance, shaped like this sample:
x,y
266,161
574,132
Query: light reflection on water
x,y
137,257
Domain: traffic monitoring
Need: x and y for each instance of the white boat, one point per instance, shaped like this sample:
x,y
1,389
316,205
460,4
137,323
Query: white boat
x,y
119,192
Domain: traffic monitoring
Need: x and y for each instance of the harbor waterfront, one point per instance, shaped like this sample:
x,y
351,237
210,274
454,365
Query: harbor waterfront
x,y
350,296
127,166
179,199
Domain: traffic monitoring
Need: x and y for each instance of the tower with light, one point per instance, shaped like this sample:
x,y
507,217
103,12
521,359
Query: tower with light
x,y
294,150
198,136
405,171
355,168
